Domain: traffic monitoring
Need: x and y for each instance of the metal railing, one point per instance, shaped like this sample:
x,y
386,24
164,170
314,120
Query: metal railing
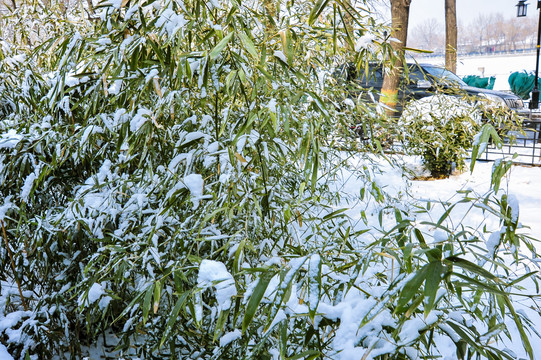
x,y
523,147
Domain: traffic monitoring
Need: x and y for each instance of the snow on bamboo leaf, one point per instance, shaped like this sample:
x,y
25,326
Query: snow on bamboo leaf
x,y
314,274
214,274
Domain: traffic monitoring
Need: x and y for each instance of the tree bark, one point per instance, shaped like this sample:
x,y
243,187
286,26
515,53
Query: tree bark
x,y
450,35
400,17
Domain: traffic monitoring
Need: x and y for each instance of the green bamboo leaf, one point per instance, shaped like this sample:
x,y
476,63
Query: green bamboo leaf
x,y
410,289
309,354
432,284
477,285
174,316
157,295
129,307
463,335
420,51
255,298
334,214
479,146
248,45
420,238
221,45
468,265
499,169
445,215
349,35
146,302
516,281
520,327
284,290
287,45
315,168
316,11
220,323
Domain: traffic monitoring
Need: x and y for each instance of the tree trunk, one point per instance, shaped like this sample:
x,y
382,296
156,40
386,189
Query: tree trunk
x,y
450,35
400,10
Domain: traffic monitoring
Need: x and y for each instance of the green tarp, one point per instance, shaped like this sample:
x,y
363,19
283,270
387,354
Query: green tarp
x,y
522,83
480,82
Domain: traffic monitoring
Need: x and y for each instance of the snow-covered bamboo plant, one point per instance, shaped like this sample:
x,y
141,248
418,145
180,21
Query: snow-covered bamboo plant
x,y
168,184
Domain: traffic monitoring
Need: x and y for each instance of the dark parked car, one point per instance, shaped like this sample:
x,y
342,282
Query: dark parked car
x,y
422,80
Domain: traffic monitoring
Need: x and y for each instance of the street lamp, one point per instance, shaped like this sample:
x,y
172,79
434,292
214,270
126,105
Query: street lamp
x,y
521,11
522,8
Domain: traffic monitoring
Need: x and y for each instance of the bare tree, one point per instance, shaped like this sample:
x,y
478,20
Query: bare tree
x,y
451,36
480,27
426,35
400,10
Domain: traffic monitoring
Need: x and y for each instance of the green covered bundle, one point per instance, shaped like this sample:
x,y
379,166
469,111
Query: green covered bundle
x,y
480,82
522,83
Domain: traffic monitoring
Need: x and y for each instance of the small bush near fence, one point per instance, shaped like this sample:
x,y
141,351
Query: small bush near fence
x,y
440,128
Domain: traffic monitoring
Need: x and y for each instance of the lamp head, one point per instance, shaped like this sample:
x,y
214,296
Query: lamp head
x,y
522,8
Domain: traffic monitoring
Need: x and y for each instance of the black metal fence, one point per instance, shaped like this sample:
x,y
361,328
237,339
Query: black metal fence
x,y
524,147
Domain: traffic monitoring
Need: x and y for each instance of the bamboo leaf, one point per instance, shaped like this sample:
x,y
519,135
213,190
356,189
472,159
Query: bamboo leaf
x,y
314,284
410,289
309,354
468,265
432,284
157,295
221,45
520,327
146,302
174,316
220,323
420,238
248,45
316,11
255,298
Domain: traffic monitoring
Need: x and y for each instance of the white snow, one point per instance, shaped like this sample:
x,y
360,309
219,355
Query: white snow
x,y
171,22
96,290
10,139
230,337
4,355
194,183
142,116
513,203
214,274
5,207
280,55
27,187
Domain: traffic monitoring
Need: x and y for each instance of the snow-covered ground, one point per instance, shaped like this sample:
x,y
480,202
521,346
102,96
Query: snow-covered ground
x,y
500,66
522,182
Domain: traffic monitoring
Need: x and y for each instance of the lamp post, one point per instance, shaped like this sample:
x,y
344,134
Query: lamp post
x,y
521,11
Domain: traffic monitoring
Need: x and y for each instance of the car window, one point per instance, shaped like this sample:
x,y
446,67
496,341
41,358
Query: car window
x,y
414,74
444,75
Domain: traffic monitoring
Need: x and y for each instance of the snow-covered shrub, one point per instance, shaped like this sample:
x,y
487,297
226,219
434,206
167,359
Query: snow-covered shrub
x,y
440,128
168,178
